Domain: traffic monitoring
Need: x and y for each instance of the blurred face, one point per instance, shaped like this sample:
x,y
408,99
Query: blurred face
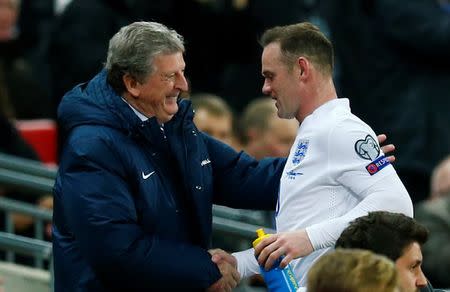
x,y
219,127
275,141
280,136
157,95
8,17
440,181
410,270
279,82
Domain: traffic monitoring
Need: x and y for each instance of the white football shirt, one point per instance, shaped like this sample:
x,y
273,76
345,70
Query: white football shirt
x,y
335,173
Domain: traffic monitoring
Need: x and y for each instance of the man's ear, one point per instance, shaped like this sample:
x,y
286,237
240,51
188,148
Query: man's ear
x,y
303,66
132,85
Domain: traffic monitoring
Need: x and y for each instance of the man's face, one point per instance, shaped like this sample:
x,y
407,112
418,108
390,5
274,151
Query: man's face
x,y
8,18
157,95
409,268
279,137
219,127
279,82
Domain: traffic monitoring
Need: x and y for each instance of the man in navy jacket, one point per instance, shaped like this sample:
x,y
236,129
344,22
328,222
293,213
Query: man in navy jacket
x,y
137,180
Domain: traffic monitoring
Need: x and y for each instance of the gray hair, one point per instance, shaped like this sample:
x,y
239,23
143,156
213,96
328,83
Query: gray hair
x,y
133,49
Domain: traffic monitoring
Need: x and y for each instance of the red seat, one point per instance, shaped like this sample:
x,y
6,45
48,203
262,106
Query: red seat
x,y
42,136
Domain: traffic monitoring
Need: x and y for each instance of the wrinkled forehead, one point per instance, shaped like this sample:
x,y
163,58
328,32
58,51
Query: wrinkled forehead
x,y
169,63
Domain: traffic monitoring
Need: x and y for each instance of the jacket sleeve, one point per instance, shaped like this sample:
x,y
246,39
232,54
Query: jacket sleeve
x,y
241,181
100,210
419,25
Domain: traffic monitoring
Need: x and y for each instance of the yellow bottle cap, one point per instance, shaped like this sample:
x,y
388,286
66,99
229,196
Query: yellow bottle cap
x,y
261,235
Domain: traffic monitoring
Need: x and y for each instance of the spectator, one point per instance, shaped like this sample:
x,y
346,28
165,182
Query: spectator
x,y
353,270
214,117
21,96
434,213
13,144
396,236
263,133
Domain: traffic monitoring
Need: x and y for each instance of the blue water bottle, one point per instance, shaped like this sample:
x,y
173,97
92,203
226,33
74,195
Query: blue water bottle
x,y
277,279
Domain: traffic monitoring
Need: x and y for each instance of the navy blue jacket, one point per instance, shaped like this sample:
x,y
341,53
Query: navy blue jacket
x,y
132,209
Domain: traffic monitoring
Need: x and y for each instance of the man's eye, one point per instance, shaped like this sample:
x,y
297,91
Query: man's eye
x,y
169,77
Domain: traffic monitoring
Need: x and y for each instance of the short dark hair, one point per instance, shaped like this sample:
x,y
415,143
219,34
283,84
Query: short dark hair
x,y
301,39
383,233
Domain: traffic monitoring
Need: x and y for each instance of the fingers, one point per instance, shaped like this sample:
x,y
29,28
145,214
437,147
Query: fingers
x,y
230,276
236,276
381,138
391,158
271,251
218,255
272,259
388,148
265,242
227,265
286,260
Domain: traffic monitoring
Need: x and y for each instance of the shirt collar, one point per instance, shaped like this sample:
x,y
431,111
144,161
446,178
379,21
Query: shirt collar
x,y
139,114
331,104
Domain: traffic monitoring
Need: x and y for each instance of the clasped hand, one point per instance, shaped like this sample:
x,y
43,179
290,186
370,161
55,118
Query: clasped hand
x,y
227,265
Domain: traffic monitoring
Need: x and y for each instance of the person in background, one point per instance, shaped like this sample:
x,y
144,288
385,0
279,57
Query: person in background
x,y
434,213
12,143
396,236
335,171
214,117
137,179
21,96
353,270
263,133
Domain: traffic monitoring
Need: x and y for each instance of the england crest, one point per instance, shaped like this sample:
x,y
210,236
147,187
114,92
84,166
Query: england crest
x,y
300,151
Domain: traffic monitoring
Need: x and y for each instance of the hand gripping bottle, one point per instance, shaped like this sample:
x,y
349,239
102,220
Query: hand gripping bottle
x,y
277,279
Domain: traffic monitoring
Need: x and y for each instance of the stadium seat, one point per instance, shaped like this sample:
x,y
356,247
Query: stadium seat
x,y
41,134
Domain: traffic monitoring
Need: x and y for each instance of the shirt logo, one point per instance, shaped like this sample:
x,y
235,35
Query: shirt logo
x,y
377,165
146,176
300,151
367,148
205,162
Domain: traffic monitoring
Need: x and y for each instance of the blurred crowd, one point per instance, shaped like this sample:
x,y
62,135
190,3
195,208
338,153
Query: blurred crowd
x,y
392,62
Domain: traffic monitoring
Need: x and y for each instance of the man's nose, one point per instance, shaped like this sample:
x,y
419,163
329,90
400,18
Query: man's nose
x,y
182,83
421,280
266,88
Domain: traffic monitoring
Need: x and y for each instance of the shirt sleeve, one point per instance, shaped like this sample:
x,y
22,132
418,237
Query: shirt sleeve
x,y
388,194
355,161
247,264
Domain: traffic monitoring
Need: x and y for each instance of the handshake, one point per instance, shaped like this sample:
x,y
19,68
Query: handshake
x,y
227,265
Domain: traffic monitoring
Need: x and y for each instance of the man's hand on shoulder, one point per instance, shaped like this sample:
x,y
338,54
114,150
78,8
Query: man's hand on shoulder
x,y
386,148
